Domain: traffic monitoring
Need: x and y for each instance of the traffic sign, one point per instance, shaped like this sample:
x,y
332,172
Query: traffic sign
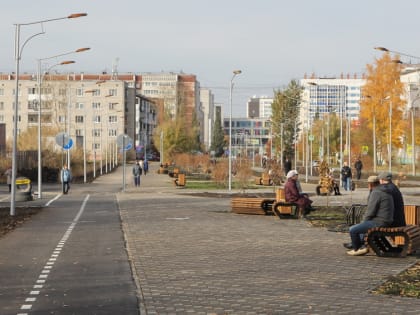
x,y
124,142
62,139
68,145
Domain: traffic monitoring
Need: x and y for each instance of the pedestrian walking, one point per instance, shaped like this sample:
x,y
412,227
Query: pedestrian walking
x,y
358,165
65,179
145,167
346,176
137,170
8,174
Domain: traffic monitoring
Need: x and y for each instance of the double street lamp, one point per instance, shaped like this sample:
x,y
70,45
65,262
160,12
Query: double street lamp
x,y
18,56
40,81
235,73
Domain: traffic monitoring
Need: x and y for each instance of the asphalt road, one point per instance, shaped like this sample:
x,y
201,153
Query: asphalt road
x,y
70,258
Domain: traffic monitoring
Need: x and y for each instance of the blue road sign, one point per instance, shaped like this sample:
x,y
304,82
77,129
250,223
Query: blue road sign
x,y
68,145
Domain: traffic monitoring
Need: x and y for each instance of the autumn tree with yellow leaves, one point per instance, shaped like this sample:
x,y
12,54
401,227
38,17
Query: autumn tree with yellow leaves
x,y
382,95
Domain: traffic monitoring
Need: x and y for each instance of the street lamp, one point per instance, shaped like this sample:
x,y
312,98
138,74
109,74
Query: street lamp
x,y
18,56
390,139
235,73
40,80
396,52
374,130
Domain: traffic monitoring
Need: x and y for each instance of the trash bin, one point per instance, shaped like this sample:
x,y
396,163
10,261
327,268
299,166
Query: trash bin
x,y
23,189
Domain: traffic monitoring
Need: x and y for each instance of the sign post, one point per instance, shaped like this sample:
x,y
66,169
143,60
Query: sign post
x,y
125,143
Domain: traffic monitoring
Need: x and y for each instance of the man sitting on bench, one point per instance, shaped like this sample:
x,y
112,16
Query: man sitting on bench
x,y
379,213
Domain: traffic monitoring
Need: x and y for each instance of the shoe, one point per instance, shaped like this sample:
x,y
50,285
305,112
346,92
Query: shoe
x,y
348,245
361,251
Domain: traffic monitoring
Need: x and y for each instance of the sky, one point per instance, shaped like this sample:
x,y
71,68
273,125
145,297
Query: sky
x,y
271,41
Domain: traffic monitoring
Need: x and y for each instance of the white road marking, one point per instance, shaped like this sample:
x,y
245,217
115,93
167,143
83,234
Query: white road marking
x,y
49,264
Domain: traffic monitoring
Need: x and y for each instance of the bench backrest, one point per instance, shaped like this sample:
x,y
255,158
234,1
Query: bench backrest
x,y
280,196
181,179
412,214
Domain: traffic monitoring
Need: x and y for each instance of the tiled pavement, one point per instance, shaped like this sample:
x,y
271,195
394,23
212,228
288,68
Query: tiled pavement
x,y
190,255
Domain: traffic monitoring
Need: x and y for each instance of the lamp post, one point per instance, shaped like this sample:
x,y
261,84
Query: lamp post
x,y
235,73
413,143
40,81
18,56
390,138
396,52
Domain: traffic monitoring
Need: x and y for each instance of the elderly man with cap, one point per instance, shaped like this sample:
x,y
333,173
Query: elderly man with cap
x,y
380,212
293,194
385,178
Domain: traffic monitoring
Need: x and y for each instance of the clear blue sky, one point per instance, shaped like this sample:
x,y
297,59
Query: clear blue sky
x,y
271,41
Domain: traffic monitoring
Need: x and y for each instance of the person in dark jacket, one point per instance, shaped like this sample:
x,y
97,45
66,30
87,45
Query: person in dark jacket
x,y
379,213
293,195
385,178
358,165
346,176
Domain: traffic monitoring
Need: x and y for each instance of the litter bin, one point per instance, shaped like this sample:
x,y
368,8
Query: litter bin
x,y
23,189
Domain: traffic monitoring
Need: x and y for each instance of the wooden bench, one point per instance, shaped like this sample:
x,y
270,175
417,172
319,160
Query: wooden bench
x,y
174,173
264,180
394,241
284,209
252,205
180,180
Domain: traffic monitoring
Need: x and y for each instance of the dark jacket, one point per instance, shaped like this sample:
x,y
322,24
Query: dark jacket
x,y
346,172
380,207
399,216
358,165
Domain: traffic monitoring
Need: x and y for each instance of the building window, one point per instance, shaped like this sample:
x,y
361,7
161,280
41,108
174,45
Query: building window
x,y
2,92
79,132
79,92
1,118
79,119
96,105
32,91
97,119
94,92
112,106
112,92
79,106
62,119
62,92
1,105
112,119
96,132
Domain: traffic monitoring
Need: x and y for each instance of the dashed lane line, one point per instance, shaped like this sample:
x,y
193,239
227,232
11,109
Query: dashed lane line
x,y
42,278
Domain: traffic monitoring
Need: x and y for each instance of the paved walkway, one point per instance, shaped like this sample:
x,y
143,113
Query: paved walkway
x,y
192,255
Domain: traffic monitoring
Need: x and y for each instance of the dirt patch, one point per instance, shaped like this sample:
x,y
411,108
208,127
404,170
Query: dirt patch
x,y
22,214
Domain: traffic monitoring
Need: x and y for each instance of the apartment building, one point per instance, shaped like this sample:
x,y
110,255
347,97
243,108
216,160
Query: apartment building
x,y
330,95
207,108
259,107
93,109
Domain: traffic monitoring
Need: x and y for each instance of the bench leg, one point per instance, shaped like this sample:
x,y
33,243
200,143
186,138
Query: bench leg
x,y
383,248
